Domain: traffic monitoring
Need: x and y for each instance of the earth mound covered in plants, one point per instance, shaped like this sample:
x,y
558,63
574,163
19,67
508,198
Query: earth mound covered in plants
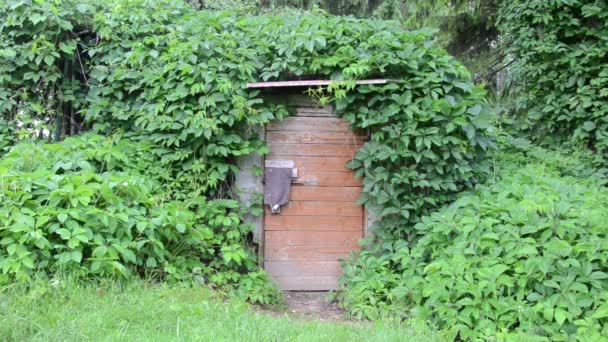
x,y
165,76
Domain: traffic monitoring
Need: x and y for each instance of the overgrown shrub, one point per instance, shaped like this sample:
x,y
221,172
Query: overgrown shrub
x,y
561,69
525,253
69,208
175,77
43,70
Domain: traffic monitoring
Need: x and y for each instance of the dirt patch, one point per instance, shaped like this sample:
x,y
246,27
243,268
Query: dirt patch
x,y
312,305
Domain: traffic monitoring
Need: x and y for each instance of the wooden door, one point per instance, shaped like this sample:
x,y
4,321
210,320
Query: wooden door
x,y
321,223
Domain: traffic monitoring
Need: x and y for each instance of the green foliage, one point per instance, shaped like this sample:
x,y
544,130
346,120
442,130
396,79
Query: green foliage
x,y
172,80
71,208
467,29
40,44
428,140
7,136
189,95
358,8
181,85
560,69
97,207
244,6
526,253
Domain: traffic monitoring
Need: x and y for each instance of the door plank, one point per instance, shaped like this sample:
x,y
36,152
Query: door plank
x,y
338,138
307,124
306,253
328,193
315,208
313,223
297,268
307,238
310,283
314,150
320,179
316,163
316,112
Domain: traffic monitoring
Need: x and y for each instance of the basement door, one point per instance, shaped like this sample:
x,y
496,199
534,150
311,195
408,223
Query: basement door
x,y
321,223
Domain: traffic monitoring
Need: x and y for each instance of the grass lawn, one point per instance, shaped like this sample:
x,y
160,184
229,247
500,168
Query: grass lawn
x,y
143,312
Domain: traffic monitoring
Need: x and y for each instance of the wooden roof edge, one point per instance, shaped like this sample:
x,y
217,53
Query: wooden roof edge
x,y
278,84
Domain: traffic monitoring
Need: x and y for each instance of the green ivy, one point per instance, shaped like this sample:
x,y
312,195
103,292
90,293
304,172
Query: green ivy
x,y
163,75
561,70
427,144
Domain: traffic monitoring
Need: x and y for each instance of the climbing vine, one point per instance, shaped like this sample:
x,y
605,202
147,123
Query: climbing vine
x,y
428,142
